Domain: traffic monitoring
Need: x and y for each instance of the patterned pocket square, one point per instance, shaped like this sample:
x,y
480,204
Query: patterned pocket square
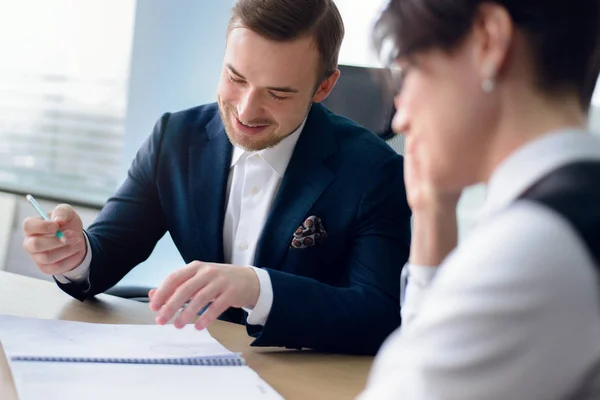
x,y
310,233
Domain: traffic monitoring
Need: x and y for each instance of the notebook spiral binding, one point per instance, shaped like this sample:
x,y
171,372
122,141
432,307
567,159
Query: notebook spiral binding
x,y
217,361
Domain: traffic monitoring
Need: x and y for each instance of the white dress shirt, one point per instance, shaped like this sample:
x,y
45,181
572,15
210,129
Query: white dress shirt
x,y
254,179
513,313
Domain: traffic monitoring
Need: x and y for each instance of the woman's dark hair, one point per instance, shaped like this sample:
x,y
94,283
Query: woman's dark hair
x,y
563,36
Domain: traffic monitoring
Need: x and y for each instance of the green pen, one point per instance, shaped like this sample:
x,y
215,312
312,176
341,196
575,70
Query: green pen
x,y
38,208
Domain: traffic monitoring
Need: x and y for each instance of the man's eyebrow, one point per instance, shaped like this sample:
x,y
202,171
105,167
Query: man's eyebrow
x,y
282,89
285,89
230,67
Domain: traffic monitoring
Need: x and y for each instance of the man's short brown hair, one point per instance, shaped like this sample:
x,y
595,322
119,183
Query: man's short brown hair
x,y
287,20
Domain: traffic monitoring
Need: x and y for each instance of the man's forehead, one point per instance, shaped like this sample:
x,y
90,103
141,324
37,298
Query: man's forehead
x,y
276,64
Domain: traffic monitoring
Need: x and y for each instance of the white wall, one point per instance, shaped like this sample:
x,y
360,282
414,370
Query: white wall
x,y
359,17
176,61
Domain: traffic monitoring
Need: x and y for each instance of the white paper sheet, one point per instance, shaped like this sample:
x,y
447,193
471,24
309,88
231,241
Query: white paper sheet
x,y
45,380
54,338
66,381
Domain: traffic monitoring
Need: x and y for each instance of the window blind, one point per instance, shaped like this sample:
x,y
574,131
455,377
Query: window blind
x,y
63,96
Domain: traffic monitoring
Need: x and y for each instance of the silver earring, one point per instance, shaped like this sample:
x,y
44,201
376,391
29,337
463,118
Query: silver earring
x,y
488,85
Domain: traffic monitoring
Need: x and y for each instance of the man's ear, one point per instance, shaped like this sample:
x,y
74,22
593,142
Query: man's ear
x,y
326,86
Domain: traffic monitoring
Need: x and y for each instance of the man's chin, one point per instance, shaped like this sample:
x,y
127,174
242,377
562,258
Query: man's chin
x,y
248,143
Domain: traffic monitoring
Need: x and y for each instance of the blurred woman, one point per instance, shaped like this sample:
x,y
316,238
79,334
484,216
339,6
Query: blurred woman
x,y
496,92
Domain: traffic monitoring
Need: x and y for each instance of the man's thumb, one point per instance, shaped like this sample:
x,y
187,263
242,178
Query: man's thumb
x,y
62,214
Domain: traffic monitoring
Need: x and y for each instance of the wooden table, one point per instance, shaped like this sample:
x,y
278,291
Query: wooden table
x,y
294,374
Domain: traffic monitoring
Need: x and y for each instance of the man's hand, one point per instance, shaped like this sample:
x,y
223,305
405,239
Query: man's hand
x,y
221,285
53,255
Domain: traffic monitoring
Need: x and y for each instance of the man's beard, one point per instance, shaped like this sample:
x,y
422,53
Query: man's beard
x,y
268,141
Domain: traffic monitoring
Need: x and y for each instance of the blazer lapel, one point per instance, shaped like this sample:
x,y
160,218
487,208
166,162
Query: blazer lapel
x,y
305,179
209,164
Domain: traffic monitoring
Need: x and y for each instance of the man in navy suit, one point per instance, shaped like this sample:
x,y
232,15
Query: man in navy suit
x,y
293,221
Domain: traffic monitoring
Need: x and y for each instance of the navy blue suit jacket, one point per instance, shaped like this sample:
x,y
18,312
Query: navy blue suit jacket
x,y
341,295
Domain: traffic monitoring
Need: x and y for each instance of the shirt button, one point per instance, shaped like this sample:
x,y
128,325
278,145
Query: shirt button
x,y
243,246
254,190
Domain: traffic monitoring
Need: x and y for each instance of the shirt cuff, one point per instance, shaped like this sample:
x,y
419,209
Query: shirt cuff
x,y
421,275
414,289
260,312
81,273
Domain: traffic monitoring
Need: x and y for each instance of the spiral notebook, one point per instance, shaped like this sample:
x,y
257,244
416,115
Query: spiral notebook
x,y
43,353
32,339
207,361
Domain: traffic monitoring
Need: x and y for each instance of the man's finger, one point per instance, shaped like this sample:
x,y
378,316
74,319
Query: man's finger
x,y
62,266
38,244
166,290
63,213
183,293
198,302
213,312
54,256
36,226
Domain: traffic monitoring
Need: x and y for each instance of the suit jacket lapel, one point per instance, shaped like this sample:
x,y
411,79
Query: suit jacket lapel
x,y
306,177
209,164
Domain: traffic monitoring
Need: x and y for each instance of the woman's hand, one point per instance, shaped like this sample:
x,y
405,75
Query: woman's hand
x,y
434,209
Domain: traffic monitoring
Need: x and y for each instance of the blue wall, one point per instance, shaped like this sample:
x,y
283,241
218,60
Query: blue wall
x,y
176,62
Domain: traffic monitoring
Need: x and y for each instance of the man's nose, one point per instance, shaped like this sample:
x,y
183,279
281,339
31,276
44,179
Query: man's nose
x,y
249,106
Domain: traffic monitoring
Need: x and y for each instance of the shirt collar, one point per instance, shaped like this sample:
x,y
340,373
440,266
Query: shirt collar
x,y
533,161
277,157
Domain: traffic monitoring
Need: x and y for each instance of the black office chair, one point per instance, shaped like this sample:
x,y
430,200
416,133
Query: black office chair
x,y
138,293
364,95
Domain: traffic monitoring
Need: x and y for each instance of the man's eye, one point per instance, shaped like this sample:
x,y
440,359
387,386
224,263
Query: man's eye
x,y
278,98
235,80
